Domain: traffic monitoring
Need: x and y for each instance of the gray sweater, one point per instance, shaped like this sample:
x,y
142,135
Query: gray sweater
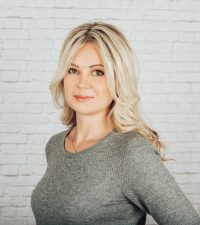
x,y
117,181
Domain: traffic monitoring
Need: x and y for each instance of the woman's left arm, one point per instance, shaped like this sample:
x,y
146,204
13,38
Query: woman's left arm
x,y
149,185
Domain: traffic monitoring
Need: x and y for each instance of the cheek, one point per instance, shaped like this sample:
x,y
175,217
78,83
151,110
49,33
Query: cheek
x,y
105,93
68,89
68,85
66,82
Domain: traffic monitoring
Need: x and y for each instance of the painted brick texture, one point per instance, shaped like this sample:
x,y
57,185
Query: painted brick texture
x,y
165,35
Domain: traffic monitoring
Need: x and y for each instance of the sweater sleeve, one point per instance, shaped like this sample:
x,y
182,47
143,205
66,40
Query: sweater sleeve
x,y
148,184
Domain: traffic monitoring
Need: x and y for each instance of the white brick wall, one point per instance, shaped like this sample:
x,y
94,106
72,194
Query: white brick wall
x,y
166,37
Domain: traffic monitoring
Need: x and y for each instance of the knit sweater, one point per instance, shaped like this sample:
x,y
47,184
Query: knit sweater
x,y
116,181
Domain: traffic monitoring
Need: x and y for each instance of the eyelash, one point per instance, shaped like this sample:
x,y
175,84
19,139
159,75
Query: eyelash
x,y
94,70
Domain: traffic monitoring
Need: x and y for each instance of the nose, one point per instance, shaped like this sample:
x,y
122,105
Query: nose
x,y
83,80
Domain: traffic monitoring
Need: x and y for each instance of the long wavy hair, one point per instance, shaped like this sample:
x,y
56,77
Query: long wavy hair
x,y
121,69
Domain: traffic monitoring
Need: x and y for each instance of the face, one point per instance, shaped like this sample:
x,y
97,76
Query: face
x,y
86,77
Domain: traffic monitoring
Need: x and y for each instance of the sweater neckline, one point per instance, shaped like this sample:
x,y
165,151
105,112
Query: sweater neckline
x,y
86,151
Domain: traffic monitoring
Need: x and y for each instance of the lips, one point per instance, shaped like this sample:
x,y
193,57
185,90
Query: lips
x,y
83,97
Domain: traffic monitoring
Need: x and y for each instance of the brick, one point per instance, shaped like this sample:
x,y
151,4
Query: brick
x,y
13,66
9,212
162,36
196,67
184,157
186,26
180,119
194,198
197,36
12,201
196,136
183,87
195,157
9,148
155,98
14,159
13,221
37,98
140,4
184,5
163,15
184,67
196,108
9,54
13,34
10,76
28,191
184,127
34,55
163,57
189,188
13,138
189,57
12,23
195,178
160,4
32,119
160,108
195,87
36,33
164,46
35,129
13,2
184,77
25,212
184,15
185,136
63,3
184,108
13,191
186,37
35,160
160,78
25,170
1,98
45,4
183,98
182,178
10,44
34,108
186,47
185,168
185,147
10,170
43,23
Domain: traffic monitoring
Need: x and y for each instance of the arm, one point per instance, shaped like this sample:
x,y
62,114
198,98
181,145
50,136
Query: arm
x,y
148,184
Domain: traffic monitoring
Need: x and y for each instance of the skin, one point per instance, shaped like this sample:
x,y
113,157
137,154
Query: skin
x,y
87,81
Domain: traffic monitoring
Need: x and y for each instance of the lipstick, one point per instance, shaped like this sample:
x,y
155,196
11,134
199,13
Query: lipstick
x,y
82,98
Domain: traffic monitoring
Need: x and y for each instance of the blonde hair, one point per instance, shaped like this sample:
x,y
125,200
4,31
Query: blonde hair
x,y
121,69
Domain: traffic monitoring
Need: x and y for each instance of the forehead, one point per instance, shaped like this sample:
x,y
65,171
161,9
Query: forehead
x,y
87,54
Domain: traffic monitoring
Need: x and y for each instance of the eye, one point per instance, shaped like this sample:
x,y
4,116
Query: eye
x,y
99,72
72,70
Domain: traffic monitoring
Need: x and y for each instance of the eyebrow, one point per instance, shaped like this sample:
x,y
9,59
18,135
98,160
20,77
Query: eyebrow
x,y
89,66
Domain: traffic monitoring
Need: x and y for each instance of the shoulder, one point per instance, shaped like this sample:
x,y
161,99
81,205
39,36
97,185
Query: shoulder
x,y
52,143
138,146
141,160
139,157
55,138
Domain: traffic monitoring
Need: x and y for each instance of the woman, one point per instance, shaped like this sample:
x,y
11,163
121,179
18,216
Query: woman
x,y
107,168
